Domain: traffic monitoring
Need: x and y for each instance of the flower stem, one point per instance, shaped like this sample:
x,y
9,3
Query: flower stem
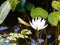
x,y
44,43
46,36
53,42
56,35
37,35
58,32
26,41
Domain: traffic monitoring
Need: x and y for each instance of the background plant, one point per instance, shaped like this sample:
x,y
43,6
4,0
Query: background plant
x,y
35,11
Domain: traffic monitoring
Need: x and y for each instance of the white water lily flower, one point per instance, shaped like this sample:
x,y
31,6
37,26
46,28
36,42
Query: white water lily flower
x,y
38,23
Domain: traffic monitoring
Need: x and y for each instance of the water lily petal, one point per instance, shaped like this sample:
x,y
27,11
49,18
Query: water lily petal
x,y
44,27
33,26
33,22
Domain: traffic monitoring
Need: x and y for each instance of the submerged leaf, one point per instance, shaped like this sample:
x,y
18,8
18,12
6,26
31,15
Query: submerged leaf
x,y
23,22
39,12
4,10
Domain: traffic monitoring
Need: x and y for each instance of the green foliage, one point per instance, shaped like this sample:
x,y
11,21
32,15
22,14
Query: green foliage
x,y
4,10
29,6
20,8
13,44
56,5
1,41
37,12
13,4
26,32
53,19
58,0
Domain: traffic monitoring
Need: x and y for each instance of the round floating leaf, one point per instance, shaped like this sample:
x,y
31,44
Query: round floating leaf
x,y
36,12
53,19
56,5
58,16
